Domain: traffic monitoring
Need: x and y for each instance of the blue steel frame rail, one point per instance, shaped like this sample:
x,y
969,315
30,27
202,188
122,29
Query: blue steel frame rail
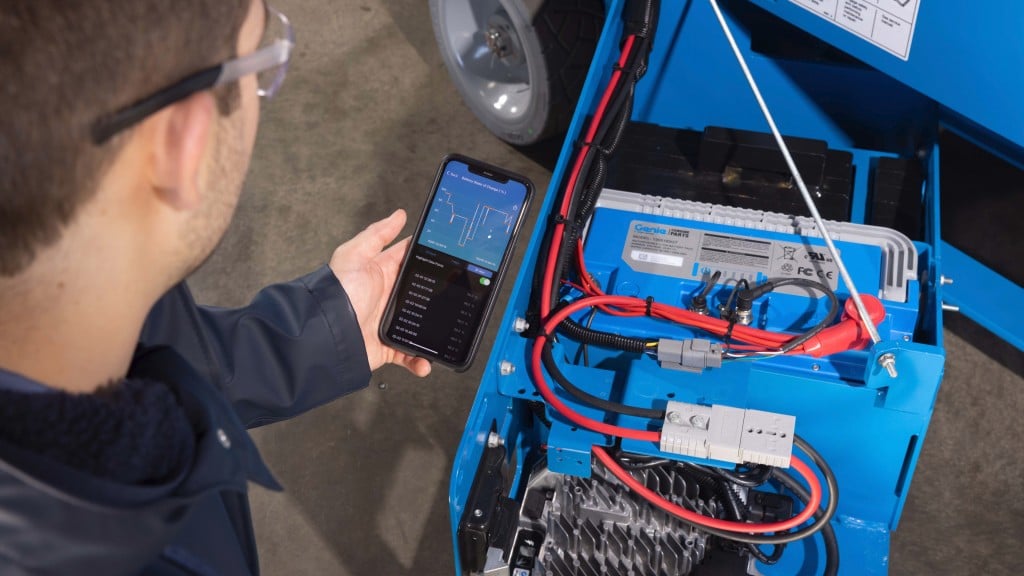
x,y
981,294
871,430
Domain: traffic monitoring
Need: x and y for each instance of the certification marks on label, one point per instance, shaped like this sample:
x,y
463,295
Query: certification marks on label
x,y
888,24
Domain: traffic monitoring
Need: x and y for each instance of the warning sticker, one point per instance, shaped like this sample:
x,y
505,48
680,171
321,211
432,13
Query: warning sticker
x,y
888,24
689,253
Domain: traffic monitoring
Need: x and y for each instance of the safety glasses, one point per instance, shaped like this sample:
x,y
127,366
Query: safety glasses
x,y
269,63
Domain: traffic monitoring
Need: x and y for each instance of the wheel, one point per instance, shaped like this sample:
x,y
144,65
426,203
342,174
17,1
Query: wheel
x,y
519,70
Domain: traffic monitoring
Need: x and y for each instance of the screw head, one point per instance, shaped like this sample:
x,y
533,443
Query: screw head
x,y
494,440
675,417
506,368
520,325
699,421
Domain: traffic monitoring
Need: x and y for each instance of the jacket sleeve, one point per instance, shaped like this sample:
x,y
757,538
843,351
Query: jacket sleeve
x,y
296,346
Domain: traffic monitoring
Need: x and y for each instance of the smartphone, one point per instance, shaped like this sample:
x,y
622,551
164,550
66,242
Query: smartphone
x,y
456,261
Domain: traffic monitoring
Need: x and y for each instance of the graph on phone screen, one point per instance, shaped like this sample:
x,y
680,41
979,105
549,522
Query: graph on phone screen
x,y
473,217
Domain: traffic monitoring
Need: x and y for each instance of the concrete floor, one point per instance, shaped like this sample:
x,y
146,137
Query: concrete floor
x,y
365,115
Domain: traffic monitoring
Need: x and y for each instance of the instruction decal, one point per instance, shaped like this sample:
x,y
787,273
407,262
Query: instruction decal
x,y
888,24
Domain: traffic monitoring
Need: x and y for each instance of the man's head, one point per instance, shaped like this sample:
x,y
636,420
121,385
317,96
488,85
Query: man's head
x,y
170,181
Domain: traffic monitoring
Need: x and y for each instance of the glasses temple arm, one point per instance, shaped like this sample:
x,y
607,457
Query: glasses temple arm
x,y
106,127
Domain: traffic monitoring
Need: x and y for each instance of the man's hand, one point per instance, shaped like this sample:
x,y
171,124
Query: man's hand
x,y
368,273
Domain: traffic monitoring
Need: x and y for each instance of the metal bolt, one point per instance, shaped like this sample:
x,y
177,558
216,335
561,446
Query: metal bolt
x,y
494,440
888,361
945,281
675,417
520,325
950,307
506,368
815,367
478,513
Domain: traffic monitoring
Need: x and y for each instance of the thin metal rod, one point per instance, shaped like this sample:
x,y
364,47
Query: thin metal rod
x,y
865,318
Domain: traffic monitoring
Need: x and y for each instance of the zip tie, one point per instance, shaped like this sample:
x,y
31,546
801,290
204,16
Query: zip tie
x,y
889,363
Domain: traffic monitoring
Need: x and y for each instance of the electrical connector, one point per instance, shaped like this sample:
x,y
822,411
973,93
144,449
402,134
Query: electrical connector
x,y
689,355
699,302
744,313
729,434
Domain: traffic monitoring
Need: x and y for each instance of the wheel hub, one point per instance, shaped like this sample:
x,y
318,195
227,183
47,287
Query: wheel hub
x,y
489,58
502,39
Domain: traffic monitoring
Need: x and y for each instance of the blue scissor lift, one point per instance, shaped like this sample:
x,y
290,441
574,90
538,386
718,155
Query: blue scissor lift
x,y
958,71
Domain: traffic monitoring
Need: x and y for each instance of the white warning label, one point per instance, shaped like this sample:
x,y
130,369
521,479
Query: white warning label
x,y
888,24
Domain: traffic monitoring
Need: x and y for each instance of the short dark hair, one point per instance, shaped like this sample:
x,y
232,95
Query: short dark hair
x,y
64,64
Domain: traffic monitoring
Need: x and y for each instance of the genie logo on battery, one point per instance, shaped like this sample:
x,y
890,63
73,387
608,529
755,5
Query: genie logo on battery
x,y
650,229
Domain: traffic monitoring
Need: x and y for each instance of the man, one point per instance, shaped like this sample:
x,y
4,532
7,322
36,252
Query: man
x,y
125,133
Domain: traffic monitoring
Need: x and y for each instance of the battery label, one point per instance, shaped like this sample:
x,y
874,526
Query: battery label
x,y
689,253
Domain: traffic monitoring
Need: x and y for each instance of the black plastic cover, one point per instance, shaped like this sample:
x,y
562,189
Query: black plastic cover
x,y
732,168
489,517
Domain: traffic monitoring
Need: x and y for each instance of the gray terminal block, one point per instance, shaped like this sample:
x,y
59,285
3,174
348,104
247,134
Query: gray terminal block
x,y
689,355
729,434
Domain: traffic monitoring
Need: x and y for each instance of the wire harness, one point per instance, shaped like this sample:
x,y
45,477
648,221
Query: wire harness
x,y
564,292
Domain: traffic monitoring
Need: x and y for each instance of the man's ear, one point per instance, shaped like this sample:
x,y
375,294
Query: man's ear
x,y
180,137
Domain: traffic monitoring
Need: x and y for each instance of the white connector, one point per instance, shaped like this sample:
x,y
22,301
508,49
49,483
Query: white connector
x,y
728,434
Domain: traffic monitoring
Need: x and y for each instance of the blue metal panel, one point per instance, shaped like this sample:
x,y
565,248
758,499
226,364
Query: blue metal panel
x,y
965,56
699,84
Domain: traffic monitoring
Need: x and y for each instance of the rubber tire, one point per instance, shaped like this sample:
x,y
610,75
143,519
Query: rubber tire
x,y
559,45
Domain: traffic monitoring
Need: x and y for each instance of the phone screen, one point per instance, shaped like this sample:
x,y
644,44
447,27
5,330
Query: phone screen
x,y
455,261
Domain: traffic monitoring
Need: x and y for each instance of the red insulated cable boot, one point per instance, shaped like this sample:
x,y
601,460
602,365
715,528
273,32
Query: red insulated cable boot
x,y
849,333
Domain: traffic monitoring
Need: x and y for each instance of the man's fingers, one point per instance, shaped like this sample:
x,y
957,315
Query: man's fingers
x,y
418,366
373,238
391,259
383,232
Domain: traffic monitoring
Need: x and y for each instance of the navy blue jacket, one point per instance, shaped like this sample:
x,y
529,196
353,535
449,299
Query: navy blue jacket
x,y
295,347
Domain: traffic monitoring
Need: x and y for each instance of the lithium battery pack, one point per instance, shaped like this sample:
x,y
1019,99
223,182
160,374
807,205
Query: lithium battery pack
x,y
669,249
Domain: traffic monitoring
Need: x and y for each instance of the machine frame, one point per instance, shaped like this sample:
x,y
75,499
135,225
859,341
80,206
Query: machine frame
x,y
871,429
